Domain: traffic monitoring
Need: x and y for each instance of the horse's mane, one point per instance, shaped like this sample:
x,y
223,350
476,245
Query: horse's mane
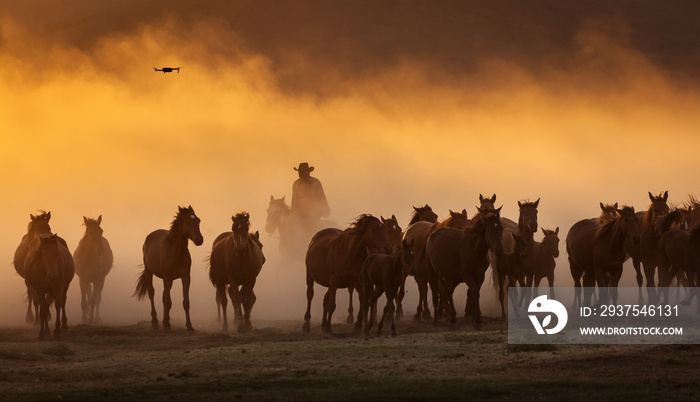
x,y
42,214
361,223
416,212
242,214
181,213
528,203
607,226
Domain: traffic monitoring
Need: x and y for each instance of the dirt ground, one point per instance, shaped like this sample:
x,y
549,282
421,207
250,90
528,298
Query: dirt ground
x,y
276,361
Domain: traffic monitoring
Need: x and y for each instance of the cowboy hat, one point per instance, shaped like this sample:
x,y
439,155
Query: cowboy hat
x,y
304,167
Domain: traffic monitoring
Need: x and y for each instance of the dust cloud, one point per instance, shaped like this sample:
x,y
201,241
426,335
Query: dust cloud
x,y
394,105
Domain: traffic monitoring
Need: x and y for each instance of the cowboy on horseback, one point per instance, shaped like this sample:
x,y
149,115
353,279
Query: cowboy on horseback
x,y
308,199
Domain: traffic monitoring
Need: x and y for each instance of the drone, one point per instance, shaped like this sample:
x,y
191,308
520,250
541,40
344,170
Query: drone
x,y
168,69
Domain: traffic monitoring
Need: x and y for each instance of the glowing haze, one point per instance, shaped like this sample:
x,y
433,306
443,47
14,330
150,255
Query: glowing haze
x,y
395,106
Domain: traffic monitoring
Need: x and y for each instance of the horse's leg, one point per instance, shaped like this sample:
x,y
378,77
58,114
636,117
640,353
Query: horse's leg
x,y
649,272
148,283
449,304
576,273
422,298
324,318
614,281
399,300
248,298
550,280
376,293
31,299
58,304
640,278
513,298
351,315
236,302
388,308
167,302
97,287
43,314
222,300
85,299
501,295
332,289
186,301
64,318
309,296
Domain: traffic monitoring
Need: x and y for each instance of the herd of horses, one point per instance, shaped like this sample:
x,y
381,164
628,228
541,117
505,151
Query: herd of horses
x,y
374,257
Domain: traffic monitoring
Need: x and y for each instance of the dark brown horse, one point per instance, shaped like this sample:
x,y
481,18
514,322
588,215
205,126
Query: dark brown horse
x,y
607,212
49,269
334,260
510,271
461,256
424,213
596,252
645,254
166,256
93,261
544,259
418,233
236,260
672,253
38,225
384,274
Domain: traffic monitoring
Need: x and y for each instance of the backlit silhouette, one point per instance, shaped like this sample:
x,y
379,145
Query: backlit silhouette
x,y
93,261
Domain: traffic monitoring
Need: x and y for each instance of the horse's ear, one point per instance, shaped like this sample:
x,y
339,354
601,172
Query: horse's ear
x,y
481,198
256,235
481,211
520,204
498,211
537,202
394,217
85,220
32,217
99,220
651,196
190,208
464,211
272,198
602,207
414,208
451,213
247,215
382,218
556,231
615,206
48,215
233,218
493,199
666,196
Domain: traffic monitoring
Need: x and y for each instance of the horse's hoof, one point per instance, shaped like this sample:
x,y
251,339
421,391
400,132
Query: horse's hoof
x,y
166,327
379,332
306,328
243,329
350,319
417,317
190,330
357,328
393,334
155,325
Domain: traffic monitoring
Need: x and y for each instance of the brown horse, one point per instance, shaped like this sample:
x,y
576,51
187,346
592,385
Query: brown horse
x,y
544,259
236,260
418,233
510,268
49,269
384,274
38,225
424,213
596,252
607,212
334,260
672,253
456,256
93,261
166,256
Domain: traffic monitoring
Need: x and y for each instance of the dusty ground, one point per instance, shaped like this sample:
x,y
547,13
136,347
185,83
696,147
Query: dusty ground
x,y
277,362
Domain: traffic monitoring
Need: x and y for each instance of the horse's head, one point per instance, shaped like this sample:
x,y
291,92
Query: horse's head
x,y
519,245
528,214
493,230
240,227
373,234
608,212
190,225
629,223
50,255
657,210
551,240
39,224
408,257
93,231
487,203
275,211
459,219
393,230
424,213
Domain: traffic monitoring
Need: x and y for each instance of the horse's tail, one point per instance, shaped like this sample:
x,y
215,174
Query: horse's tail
x,y
143,284
212,277
494,272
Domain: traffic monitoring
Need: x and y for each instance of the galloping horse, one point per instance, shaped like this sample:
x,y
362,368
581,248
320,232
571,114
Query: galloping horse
x,y
49,269
38,225
457,256
236,260
166,256
334,260
93,261
293,233
596,252
382,273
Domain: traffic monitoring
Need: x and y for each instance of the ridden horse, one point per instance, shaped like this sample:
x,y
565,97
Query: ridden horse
x,y
418,233
526,227
93,261
510,267
383,274
166,256
38,225
596,252
645,253
49,269
544,259
294,233
457,256
235,261
334,260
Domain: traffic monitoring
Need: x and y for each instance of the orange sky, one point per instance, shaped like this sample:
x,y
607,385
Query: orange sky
x,y
87,128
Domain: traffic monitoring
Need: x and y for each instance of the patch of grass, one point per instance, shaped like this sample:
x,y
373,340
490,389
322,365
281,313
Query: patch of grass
x,y
58,349
546,347
475,338
15,354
